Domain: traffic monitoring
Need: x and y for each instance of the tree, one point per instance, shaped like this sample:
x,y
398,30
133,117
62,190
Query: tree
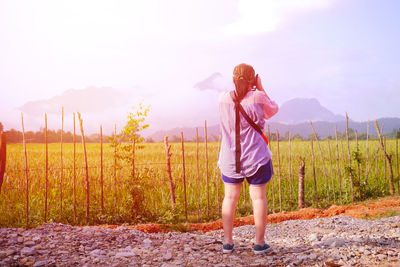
x,y
130,134
175,139
297,137
14,136
201,139
124,143
285,137
135,124
394,134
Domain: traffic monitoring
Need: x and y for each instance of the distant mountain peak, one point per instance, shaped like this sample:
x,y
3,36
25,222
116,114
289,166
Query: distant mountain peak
x,y
90,99
214,82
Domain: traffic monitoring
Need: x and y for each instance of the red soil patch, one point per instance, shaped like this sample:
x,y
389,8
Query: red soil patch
x,y
370,208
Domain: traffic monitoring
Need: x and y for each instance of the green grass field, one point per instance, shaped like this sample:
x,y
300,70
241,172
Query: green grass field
x,y
146,197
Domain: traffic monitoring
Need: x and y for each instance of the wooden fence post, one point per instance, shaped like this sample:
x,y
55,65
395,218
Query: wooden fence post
x,y
74,168
115,167
397,161
86,168
358,165
184,175
61,162
388,158
168,162
244,194
198,173
46,167
26,171
279,172
338,166
244,189
290,168
133,158
377,169
3,156
344,165
101,170
208,189
267,187
385,164
301,183
377,165
315,179
367,154
349,157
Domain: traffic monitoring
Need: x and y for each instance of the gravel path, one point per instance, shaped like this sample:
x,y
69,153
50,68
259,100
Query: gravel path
x,y
334,241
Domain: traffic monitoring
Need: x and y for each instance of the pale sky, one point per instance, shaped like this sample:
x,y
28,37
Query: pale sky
x,y
344,53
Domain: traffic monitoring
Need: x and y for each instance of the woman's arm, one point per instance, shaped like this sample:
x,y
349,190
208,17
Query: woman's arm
x,y
259,85
270,107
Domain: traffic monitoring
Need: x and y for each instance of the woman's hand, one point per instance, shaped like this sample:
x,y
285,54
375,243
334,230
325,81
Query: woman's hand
x,y
259,86
258,83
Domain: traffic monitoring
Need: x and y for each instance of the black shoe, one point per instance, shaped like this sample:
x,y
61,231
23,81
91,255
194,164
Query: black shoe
x,y
227,248
258,249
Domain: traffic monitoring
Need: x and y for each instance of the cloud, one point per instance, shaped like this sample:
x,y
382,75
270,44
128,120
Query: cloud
x,y
260,16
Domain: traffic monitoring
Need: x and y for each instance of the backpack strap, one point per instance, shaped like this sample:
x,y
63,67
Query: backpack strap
x,y
239,110
252,123
237,131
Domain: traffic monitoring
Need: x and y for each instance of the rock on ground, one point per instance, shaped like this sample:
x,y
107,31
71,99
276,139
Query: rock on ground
x,y
334,241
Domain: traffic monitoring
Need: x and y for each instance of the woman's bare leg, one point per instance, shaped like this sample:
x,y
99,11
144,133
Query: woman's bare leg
x,y
232,193
258,198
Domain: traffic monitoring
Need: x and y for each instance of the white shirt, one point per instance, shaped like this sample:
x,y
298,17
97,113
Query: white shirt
x,y
254,151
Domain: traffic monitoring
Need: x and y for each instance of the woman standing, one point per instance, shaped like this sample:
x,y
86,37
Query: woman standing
x,y
244,151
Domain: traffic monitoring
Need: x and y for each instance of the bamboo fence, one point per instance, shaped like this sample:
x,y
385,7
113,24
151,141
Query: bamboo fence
x,y
329,185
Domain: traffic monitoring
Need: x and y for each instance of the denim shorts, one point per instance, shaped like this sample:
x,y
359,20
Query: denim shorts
x,y
261,177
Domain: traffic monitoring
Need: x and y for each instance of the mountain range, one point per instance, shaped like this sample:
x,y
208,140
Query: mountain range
x,y
294,116
323,129
304,109
181,113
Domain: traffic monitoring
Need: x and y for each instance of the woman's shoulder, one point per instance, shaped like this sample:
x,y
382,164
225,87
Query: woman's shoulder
x,y
253,96
225,97
260,96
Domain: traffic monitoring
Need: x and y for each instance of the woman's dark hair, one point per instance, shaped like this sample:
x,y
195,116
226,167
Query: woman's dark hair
x,y
243,75
241,88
